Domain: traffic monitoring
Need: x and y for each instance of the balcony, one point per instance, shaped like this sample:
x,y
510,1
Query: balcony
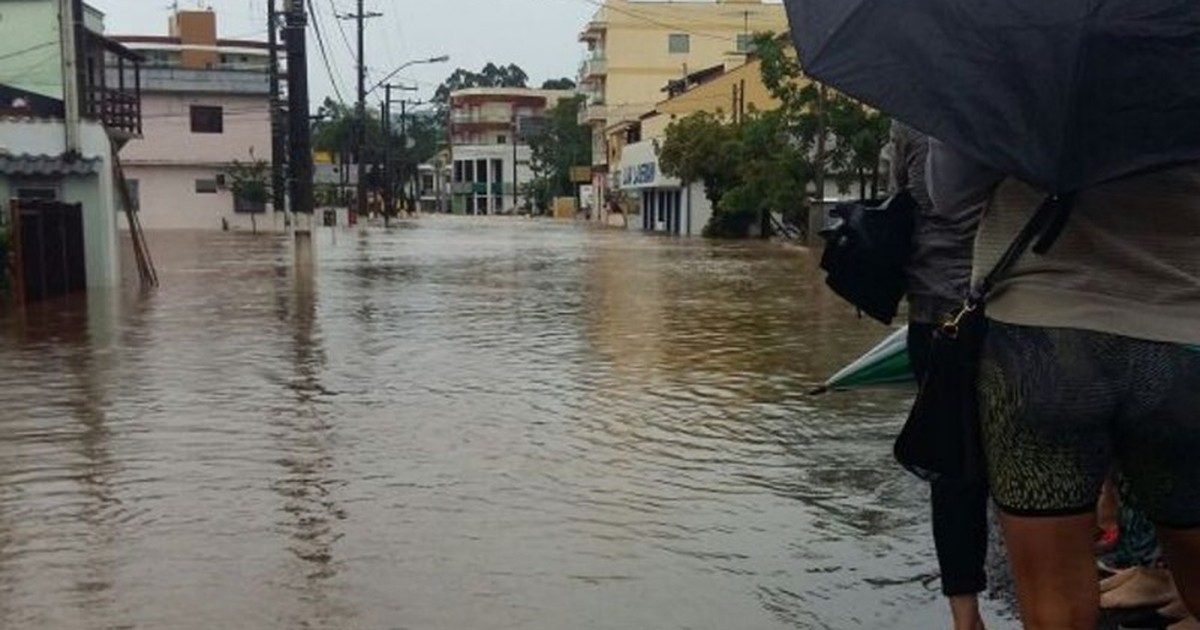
x,y
595,67
593,31
593,112
216,81
469,117
110,85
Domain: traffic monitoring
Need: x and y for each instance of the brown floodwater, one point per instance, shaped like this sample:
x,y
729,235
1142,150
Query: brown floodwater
x,y
454,424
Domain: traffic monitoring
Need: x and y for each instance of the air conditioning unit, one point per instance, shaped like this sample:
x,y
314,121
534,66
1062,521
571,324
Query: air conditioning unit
x,y
222,181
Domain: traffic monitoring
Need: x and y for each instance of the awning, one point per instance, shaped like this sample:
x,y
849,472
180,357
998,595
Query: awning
x,y
46,165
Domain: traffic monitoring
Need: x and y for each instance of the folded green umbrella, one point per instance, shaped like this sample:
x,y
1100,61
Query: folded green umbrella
x,y
886,365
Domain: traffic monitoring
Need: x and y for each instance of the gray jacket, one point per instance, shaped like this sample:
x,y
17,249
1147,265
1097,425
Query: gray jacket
x,y
939,271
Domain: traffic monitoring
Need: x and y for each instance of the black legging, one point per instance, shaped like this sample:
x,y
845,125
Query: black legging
x,y
960,531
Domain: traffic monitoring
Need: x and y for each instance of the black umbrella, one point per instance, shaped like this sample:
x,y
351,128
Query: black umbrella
x,y
1060,93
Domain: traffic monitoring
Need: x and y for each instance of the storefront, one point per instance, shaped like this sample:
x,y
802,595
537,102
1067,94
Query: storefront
x,y
667,206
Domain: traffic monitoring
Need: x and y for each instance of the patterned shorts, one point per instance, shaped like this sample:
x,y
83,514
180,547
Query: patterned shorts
x,y
1062,408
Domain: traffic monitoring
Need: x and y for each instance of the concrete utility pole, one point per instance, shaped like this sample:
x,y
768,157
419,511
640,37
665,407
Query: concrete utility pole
x,y
388,184
360,109
278,129
299,129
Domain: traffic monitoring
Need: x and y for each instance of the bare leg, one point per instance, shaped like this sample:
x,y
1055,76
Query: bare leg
x,y
1183,556
964,609
1055,570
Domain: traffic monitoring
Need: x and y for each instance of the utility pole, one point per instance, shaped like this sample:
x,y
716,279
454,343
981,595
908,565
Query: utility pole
x,y
516,132
278,133
360,109
386,122
299,129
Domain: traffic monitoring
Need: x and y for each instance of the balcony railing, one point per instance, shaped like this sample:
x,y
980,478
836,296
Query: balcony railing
x,y
118,110
593,113
110,82
476,117
595,67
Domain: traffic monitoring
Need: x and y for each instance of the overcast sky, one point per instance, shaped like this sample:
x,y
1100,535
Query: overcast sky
x,y
538,35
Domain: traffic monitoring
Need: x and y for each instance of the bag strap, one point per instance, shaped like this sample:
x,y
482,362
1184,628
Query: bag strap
x,y
1045,227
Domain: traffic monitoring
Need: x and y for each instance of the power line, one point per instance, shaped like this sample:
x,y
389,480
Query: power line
x,y
29,50
337,21
333,80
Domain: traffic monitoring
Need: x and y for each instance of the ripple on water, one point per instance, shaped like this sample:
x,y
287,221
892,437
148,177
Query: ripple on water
x,y
454,424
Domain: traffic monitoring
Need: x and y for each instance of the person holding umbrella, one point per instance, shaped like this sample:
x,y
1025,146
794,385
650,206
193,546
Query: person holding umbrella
x,y
938,278
1089,112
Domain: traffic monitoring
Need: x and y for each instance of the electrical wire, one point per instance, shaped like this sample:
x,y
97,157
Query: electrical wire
x,y
334,78
28,50
345,38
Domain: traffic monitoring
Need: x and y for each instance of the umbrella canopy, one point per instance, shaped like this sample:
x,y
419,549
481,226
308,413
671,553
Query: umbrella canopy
x,y
884,365
1062,94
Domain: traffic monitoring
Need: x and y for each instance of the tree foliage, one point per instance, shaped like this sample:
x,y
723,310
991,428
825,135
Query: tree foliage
x,y
748,169
558,84
767,162
560,145
491,75
409,144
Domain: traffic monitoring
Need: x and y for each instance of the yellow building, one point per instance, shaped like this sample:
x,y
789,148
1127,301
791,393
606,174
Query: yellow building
x,y
650,200
636,48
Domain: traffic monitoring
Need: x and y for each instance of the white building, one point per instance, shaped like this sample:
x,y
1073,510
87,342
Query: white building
x,y
62,120
490,161
206,104
667,206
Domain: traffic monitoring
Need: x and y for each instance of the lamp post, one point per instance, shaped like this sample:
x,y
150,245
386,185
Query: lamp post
x,y
407,64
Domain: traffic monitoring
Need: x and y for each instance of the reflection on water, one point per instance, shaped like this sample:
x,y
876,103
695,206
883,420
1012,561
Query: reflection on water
x,y
453,424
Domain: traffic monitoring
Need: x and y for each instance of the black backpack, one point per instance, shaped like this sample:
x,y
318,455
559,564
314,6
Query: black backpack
x,y
866,250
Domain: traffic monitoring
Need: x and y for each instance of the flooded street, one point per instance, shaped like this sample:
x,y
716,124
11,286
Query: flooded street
x,y
455,425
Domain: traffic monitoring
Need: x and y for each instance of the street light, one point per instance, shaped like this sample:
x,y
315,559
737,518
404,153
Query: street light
x,y
438,59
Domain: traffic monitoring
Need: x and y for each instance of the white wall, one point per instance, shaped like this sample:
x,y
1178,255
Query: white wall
x,y
95,192
168,200
167,136
503,152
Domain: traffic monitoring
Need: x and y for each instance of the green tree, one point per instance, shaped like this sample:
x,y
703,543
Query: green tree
x,y
701,148
773,173
860,133
560,145
558,84
250,183
491,75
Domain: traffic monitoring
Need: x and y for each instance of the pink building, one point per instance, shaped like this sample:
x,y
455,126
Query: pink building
x,y
205,104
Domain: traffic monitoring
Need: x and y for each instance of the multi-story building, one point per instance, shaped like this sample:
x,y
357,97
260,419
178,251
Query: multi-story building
x,y
489,157
63,119
635,49
206,104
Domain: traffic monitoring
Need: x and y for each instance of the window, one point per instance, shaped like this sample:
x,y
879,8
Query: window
x,y
208,119
497,171
679,43
458,171
745,43
206,186
469,171
501,139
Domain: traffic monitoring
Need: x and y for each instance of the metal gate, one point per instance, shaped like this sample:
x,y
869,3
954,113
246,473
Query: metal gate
x,y
47,249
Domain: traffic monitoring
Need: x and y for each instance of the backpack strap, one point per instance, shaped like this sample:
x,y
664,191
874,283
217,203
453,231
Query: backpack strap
x,y
1045,227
